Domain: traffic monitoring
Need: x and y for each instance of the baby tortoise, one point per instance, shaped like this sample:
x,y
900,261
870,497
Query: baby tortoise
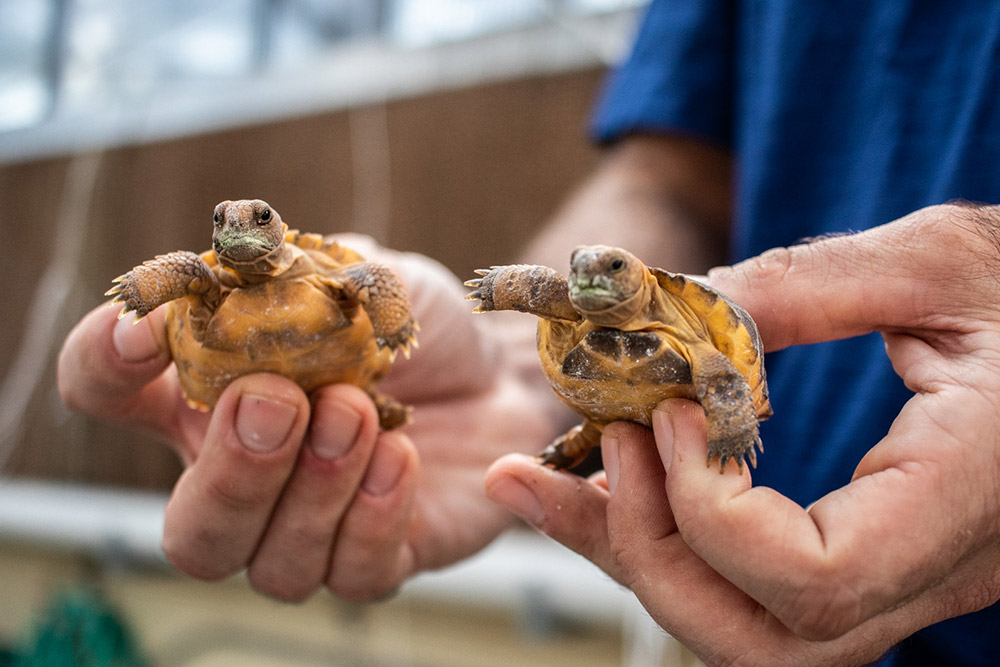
x,y
618,337
270,299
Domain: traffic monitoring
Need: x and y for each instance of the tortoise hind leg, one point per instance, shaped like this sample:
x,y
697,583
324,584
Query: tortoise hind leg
x,y
725,395
571,449
391,413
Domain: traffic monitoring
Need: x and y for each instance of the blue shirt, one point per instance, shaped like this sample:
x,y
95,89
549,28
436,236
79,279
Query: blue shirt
x,y
841,116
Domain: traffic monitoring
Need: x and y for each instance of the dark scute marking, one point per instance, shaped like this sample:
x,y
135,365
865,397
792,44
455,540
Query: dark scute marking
x,y
665,367
602,354
605,342
640,345
581,363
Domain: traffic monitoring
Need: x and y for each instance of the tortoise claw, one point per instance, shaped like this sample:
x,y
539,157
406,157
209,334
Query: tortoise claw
x,y
126,309
724,454
403,340
477,296
197,405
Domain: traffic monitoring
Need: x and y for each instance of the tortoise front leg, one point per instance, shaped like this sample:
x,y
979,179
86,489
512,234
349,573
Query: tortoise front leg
x,y
571,449
527,288
733,430
165,278
377,289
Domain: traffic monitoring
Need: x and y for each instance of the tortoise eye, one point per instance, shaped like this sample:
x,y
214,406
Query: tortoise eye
x,y
617,264
216,218
265,216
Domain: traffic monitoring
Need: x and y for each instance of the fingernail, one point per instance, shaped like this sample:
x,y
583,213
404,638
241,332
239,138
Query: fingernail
x,y
609,454
335,432
263,424
519,499
134,341
384,471
663,433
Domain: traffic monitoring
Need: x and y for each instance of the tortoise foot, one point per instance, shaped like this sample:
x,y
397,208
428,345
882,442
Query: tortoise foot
x,y
570,449
735,445
402,340
554,457
482,289
126,292
391,413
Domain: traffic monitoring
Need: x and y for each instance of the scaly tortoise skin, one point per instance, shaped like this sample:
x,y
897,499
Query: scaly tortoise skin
x,y
618,337
267,299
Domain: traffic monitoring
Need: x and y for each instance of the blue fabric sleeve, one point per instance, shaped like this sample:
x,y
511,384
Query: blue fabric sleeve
x,y
679,77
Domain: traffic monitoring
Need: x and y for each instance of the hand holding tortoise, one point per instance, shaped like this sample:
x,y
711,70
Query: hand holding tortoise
x,y
305,491
743,575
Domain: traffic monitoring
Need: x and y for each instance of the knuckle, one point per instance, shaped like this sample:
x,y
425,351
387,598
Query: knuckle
x,y
373,577
622,551
231,495
279,585
196,561
773,265
368,592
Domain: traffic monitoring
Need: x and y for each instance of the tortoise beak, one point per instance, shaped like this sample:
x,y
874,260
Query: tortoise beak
x,y
241,247
591,293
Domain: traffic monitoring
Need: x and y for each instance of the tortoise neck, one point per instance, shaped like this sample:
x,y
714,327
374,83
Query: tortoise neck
x,y
264,267
625,314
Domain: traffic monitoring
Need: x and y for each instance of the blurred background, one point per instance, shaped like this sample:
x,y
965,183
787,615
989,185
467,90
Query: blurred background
x,y
447,127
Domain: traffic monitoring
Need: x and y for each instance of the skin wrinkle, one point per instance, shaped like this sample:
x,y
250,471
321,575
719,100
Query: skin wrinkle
x,y
823,617
927,370
623,547
787,586
823,581
982,221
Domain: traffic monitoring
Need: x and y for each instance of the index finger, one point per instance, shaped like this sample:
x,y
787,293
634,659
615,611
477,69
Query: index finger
x,y
903,274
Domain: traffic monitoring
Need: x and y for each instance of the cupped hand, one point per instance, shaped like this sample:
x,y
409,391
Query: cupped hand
x,y
305,491
744,575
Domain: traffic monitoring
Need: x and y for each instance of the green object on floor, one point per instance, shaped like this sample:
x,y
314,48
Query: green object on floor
x,y
81,629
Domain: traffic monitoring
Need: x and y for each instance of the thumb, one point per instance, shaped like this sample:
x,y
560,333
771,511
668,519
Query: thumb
x,y
874,280
105,362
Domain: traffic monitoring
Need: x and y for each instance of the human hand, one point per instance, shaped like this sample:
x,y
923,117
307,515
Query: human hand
x,y
743,575
306,492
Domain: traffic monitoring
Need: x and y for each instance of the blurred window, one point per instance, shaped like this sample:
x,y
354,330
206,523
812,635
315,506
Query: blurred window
x,y
70,56
26,44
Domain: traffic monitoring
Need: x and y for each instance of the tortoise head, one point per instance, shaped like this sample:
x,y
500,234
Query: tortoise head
x,y
607,285
246,231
